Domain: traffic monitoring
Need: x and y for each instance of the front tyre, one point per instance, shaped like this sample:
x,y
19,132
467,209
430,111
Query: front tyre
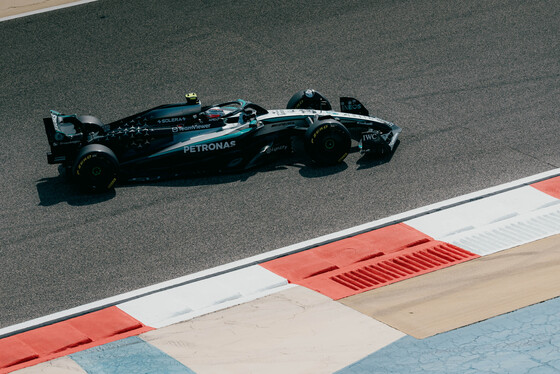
x,y
96,168
327,142
308,99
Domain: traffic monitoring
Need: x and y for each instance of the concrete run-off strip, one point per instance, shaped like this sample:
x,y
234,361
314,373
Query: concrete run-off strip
x,y
11,9
293,331
467,293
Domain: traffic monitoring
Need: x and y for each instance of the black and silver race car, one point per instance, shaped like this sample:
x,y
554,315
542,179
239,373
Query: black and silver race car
x,y
176,139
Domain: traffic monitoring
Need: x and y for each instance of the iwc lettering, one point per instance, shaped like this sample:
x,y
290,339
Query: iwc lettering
x,y
370,136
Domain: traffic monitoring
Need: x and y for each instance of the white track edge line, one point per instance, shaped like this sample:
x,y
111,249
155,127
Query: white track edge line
x,y
44,10
254,260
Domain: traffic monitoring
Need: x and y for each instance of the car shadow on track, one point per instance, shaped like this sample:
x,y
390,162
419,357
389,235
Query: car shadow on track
x,y
368,161
59,189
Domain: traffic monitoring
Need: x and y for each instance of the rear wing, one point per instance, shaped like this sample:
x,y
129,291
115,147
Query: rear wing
x,y
351,105
63,135
62,127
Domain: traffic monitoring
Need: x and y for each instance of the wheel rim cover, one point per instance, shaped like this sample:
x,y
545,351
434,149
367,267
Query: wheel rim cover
x,y
96,171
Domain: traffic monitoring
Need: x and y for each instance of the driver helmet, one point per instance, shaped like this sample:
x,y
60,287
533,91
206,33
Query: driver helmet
x,y
214,112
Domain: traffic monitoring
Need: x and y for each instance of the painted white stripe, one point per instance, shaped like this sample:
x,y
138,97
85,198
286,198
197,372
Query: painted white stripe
x,y
495,223
34,323
510,233
467,217
44,10
188,301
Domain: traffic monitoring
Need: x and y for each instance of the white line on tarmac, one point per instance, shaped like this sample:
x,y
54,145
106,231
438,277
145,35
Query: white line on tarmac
x,y
83,309
49,9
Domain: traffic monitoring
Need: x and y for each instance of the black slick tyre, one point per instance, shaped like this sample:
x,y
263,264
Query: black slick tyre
x,y
91,124
308,99
327,142
96,168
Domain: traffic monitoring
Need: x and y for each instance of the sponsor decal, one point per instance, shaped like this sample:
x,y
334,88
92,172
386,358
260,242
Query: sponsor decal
x,y
54,118
208,147
372,136
350,105
318,131
276,149
171,120
112,183
191,127
84,160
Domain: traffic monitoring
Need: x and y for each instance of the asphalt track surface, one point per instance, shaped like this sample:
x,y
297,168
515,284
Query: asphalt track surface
x,y
475,86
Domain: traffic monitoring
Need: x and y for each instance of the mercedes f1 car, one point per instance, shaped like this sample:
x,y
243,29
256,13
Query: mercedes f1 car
x,y
233,136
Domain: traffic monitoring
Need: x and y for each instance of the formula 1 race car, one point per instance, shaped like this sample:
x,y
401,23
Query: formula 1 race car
x,y
233,136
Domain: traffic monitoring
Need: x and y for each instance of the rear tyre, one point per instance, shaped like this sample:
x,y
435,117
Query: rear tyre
x,y
309,99
327,142
91,124
96,168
